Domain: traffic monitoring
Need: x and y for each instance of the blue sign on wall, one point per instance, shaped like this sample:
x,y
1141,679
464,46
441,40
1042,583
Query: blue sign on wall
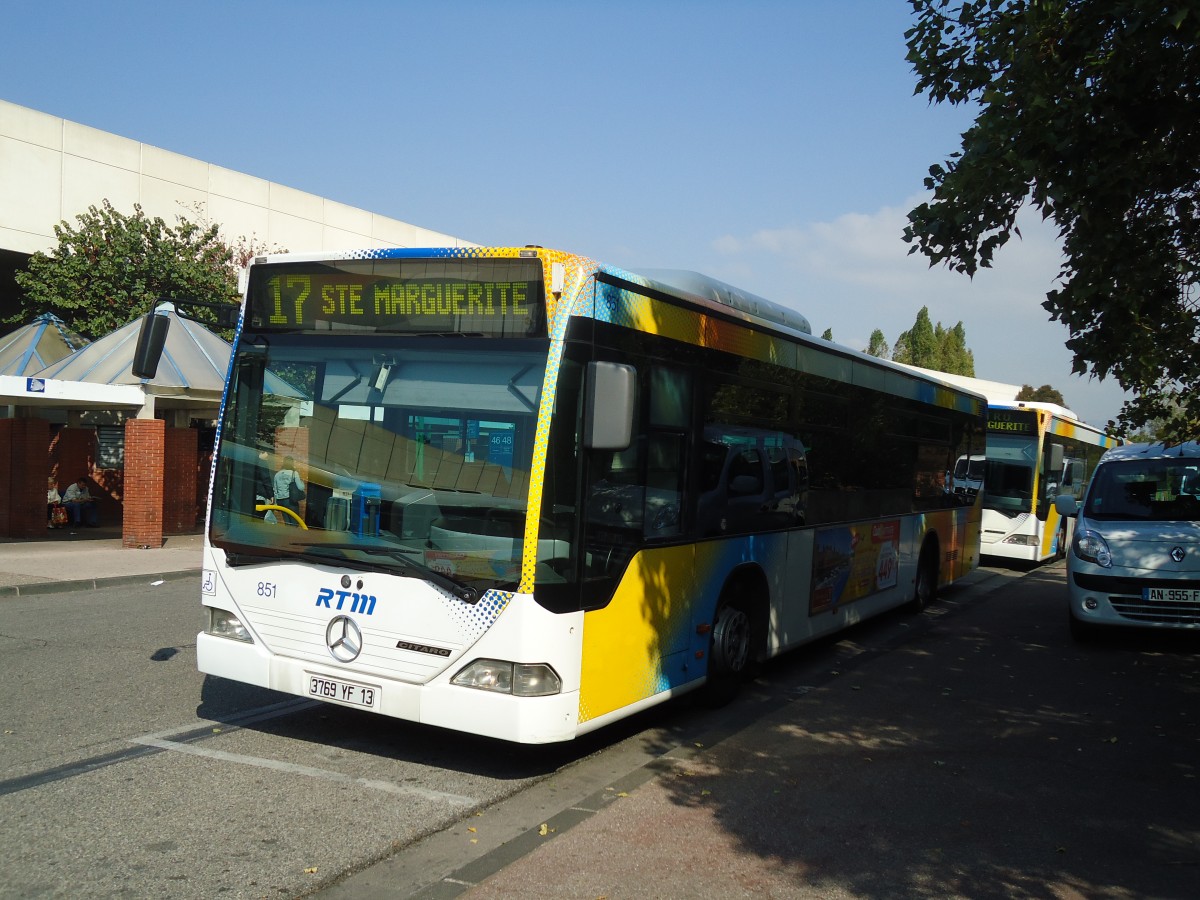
x,y
500,448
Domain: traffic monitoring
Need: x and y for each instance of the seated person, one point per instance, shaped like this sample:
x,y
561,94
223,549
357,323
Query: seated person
x,y
53,500
80,504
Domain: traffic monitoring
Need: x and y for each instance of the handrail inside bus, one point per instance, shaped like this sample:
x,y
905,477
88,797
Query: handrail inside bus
x,y
263,507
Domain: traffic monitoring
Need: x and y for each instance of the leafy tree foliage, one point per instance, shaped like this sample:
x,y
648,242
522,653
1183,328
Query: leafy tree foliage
x,y
827,334
112,268
1090,110
878,345
932,347
1044,394
956,357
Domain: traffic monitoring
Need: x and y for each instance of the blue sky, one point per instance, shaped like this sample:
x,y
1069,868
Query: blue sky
x,y
775,145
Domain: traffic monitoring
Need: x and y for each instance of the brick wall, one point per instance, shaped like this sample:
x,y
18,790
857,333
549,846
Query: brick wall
x,y
145,452
167,498
74,453
203,477
180,512
6,478
23,485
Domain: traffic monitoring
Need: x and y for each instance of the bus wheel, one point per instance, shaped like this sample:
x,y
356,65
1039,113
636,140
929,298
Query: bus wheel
x,y
1061,551
728,654
927,579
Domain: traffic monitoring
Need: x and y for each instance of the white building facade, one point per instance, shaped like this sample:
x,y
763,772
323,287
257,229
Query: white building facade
x,y
52,169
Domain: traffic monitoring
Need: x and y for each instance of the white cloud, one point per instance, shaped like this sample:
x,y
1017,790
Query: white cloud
x,y
854,274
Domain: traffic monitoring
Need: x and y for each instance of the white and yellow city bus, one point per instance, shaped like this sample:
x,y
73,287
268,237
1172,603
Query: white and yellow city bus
x,y
540,493
1035,452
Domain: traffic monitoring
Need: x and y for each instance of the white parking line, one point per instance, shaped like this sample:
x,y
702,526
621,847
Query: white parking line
x,y
307,771
248,717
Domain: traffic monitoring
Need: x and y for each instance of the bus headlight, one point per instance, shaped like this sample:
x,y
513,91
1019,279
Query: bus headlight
x,y
518,679
1090,546
222,623
1024,540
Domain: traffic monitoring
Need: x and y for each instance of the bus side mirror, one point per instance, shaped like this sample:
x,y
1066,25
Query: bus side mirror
x,y
608,406
1054,458
1066,505
152,337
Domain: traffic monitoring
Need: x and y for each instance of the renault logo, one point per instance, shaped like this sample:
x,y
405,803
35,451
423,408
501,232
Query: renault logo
x,y
343,639
1178,554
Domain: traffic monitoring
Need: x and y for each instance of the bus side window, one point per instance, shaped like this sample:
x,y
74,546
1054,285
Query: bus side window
x,y
745,474
712,465
664,484
780,481
670,417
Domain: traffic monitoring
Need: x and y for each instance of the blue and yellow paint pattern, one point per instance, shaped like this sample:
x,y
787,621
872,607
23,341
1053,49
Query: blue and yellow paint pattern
x,y
649,638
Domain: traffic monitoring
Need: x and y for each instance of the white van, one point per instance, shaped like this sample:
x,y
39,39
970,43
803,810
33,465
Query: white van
x,y
1135,557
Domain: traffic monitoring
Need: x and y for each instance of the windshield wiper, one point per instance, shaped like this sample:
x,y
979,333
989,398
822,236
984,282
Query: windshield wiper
x,y
403,326
463,592
236,559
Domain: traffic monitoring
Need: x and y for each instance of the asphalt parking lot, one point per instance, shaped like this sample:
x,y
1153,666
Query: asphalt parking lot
x,y
987,755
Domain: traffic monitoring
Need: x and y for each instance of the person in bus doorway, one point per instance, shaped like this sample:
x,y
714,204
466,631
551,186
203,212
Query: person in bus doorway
x,y
80,504
264,487
288,489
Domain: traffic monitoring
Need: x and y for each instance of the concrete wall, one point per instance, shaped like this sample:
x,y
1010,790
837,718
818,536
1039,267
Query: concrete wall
x,y
52,169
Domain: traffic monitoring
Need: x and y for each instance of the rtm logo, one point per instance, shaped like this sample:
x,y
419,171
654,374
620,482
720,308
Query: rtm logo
x,y
359,603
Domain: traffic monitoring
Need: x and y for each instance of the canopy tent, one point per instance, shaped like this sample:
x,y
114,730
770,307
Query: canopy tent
x,y
190,375
192,369
33,347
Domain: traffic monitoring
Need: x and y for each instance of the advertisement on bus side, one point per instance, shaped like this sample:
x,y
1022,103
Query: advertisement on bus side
x,y
851,562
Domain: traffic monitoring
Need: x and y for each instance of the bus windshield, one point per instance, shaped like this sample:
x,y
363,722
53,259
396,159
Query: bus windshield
x,y
1008,478
409,455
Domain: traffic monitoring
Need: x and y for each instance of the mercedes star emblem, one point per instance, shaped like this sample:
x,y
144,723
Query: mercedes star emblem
x,y
343,638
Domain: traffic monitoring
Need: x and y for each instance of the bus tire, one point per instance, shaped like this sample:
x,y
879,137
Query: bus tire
x,y
926,586
729,651
1061,551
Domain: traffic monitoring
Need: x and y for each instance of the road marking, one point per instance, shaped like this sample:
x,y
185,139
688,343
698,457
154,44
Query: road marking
x,y
231,723
70,770
308,771
144,745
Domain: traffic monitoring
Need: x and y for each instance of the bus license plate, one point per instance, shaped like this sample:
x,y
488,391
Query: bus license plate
x,y
343,691
1172,595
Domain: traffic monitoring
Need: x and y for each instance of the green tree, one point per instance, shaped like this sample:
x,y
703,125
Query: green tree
x,y
1044,394
929,346
919,345
957,358
879,345
827,334
112,268
1090,110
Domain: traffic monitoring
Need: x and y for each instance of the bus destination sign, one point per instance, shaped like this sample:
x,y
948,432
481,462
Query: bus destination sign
x,y
496,298
1012,421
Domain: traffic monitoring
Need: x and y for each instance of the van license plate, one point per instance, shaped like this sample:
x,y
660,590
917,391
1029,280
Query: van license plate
x,y
1172,595
343,691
